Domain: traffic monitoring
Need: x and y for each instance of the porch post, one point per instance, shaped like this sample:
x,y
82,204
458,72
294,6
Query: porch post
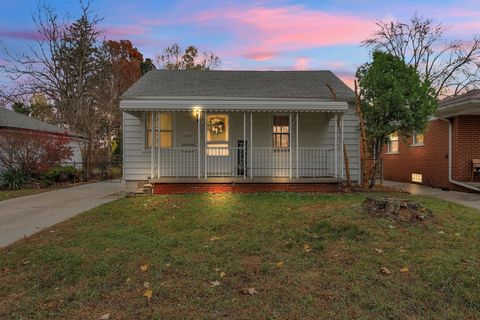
x,y
290,149
336,141
159,144
152,144
244,145
251,144
296,142
199,114
205,142
342,155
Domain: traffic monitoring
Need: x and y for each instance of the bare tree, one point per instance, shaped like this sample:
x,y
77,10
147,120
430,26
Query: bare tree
x,y
451,67
69,66
172,58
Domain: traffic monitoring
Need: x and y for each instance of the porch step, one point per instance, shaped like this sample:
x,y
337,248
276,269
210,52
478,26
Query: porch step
x,y
182,188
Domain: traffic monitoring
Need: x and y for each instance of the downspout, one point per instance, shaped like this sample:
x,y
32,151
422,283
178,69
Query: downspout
x,y
450,160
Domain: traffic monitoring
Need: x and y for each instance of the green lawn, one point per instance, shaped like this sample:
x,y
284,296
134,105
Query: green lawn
x,y
305,256
9,194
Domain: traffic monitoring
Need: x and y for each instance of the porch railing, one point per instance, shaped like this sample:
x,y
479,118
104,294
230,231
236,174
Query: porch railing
x,y
237,161
316,162
177,162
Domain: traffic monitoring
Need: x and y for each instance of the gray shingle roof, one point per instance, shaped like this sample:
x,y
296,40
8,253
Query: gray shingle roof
x,y
11,119
466,97
242,84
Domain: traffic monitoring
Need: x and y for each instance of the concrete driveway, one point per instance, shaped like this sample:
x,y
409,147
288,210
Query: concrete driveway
x,y
24,216
471,200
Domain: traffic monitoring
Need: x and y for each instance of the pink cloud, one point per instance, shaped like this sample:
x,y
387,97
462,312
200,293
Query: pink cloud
x,y
302,63
260,56
258,32
125,30
21,34
287,28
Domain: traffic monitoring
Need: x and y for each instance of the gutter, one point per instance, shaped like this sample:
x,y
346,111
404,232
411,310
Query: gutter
x,y
450,160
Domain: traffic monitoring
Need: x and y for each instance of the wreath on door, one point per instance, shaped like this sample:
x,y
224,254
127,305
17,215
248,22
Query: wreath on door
x,y
216,125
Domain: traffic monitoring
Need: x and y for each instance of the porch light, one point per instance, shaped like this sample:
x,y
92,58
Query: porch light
x,y
196,112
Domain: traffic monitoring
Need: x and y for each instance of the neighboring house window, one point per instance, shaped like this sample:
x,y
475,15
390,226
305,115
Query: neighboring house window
x,y
166,130
217,135
393,143
417,177
417,139
281,132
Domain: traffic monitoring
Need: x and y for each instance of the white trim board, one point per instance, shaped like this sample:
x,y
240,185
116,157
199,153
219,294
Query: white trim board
x,y
281,105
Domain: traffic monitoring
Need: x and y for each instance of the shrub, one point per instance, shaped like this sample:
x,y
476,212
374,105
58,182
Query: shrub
x,y
61,174
13,179
31,152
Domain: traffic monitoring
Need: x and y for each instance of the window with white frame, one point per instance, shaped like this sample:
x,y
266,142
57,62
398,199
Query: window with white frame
x,y
393,143
417,139
166,130
281,132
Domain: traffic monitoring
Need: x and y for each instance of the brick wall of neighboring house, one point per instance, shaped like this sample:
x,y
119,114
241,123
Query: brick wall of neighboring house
x,y
466,146
431,159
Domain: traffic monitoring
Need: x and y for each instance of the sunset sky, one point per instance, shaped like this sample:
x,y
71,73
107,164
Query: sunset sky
x,y
250,35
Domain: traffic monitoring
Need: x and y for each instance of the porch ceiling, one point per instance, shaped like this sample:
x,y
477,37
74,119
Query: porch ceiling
x,y
233,104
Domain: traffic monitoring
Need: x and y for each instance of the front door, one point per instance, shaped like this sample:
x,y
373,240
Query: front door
x,y
218,153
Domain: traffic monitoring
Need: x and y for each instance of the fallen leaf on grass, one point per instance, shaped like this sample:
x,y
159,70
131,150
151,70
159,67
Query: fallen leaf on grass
x,y
217,269
148,294
215,238
168,265
280,264
384,270
146,284
215,283
306,247
144,267
379,251
222,274
128,280
25,262
106,316
249,291
404,269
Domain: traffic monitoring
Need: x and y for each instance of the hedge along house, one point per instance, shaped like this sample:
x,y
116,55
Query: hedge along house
x,y
447,154
187,131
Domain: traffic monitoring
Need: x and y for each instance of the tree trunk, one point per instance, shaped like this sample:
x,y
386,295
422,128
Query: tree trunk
x,y
363,138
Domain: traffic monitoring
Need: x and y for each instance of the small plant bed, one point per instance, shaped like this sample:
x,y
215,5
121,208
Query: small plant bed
x,y
246,256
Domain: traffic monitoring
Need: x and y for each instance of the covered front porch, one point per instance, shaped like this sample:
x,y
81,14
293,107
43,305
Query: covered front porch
x,y
244,146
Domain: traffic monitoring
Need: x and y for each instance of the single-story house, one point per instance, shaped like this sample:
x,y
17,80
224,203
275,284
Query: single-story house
x,y
447,154
186,131
15,122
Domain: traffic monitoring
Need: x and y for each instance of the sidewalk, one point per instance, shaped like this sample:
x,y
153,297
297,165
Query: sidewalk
x,y
471,200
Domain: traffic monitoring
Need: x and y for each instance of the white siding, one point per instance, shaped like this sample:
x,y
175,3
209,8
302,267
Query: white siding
x,y
316,130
